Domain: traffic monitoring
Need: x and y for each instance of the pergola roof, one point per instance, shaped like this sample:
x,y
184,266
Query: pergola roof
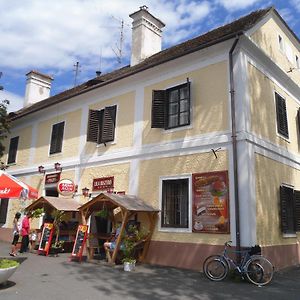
x,y
59,203
127,202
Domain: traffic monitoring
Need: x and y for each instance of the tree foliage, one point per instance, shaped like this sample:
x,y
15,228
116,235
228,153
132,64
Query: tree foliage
x,y
4,124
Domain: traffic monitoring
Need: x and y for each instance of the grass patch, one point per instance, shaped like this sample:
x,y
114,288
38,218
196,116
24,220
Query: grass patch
x,y
6,263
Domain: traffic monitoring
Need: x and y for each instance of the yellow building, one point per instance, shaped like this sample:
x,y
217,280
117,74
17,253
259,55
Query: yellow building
x,y
206,131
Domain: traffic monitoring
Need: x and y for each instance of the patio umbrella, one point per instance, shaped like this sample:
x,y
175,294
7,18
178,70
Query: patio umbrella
x,y
11,187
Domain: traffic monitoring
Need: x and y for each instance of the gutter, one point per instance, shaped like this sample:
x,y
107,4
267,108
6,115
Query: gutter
x,y
234,153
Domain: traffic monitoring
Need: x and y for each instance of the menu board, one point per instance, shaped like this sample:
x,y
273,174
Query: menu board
x,y
211,202
80,240
46,238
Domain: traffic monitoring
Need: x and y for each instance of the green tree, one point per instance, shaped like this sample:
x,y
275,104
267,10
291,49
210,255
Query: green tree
x,y
4,125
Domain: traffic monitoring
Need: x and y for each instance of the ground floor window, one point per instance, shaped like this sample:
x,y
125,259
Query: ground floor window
x,y
175,203
3,210
290,209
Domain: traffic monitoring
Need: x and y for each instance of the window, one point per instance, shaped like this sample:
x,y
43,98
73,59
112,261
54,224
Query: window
x,y
171,107
282,123
175,203
57,137
3,210
281,44
101,126
297,62
13,148
290,209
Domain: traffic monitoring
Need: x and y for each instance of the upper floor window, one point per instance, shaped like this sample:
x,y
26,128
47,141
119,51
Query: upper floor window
x,y
281,43
175,203
290,209
13,148
57,137
171,107
101,126
297,62
282,122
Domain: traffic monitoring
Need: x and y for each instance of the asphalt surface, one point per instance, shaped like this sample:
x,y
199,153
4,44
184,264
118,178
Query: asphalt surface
x,y
40,277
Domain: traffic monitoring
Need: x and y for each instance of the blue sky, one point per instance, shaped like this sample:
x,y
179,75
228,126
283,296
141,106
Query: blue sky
x,y
52,36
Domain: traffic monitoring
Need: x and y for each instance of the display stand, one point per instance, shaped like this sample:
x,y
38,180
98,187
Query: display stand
x,y
79,243
46,238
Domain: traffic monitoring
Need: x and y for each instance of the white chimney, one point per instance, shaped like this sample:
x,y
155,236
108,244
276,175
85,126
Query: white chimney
x,y
146,35
37,87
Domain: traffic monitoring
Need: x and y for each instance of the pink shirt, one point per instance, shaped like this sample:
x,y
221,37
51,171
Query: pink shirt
x,y
25,226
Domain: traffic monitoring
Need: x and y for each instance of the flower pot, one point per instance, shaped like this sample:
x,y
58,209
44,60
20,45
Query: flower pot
x,y
6,273
129,266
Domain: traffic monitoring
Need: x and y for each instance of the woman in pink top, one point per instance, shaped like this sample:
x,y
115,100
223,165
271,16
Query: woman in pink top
x,y
25,232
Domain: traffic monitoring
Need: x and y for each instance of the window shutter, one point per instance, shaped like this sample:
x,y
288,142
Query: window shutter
x,y
57,137
297,209
93,126
108,124
13,148
282,123
286,205
298,117
158,109
3,210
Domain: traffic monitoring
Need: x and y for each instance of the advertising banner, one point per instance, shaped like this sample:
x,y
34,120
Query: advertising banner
x,y
211,202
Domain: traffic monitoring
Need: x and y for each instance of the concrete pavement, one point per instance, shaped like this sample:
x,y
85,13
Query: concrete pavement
x,y
46,278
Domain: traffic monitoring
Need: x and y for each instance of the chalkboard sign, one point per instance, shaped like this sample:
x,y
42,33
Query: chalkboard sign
x,y
80,240
46,237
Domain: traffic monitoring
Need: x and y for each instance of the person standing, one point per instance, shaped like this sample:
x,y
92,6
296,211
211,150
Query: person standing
x,y
25,232
16,234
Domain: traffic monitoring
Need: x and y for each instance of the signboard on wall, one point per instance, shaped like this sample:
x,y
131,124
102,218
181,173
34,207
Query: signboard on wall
x,y
103,183
52,178
79,243
66,187
46,238
211,202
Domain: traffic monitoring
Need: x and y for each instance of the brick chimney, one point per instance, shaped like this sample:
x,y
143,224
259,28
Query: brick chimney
x,y
37,87
146,35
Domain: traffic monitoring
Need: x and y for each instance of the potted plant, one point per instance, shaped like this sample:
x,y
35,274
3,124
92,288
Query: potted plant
x,y
57,246
103,213
128,252
7,268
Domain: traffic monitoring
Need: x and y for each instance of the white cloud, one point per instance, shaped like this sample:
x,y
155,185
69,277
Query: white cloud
x,y
15,101
295,4
233,5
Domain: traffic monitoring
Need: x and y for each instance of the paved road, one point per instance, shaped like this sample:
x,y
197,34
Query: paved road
x,y
46,278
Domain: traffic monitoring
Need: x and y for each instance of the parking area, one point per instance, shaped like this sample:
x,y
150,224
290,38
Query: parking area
x,y
43,278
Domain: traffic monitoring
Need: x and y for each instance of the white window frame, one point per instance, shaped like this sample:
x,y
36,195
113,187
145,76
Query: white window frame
x,y
190,202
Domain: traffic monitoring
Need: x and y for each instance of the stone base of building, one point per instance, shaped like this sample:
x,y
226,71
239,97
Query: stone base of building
x,y
6,234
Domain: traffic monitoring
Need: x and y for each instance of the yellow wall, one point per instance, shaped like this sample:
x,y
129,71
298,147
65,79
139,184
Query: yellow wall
x,y
124,123
209,93
71,138
263,110
266,38
149,181
269,176
24,146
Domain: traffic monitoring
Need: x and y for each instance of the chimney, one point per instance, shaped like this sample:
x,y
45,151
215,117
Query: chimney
x,y
146,35
37,87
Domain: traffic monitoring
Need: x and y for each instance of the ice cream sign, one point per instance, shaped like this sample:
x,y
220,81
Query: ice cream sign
x,y
211,202
66,187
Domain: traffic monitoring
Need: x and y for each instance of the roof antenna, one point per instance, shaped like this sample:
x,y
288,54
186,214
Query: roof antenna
x,y
77,71
98,72
119,47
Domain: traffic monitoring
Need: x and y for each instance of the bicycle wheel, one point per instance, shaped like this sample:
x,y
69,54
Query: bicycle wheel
x,y
215,268
259,270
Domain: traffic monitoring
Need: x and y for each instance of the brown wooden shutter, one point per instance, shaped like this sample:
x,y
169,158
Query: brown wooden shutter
x,y
297,209
298,118
286,208
93,126
108,124
158,109
13,148
282,122
3,210
57,137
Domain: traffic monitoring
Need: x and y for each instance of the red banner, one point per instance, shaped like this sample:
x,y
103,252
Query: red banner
x,y
211,202
104,183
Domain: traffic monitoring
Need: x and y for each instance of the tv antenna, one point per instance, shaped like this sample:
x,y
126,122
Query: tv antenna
x,y
76,70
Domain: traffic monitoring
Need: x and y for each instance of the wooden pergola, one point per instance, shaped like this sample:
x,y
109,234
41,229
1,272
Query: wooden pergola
x,y
128,206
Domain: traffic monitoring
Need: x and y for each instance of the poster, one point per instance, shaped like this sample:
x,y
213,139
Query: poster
x,y
211,202
80,241
46,237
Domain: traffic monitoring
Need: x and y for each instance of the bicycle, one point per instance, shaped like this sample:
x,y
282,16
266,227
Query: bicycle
x,y
255,267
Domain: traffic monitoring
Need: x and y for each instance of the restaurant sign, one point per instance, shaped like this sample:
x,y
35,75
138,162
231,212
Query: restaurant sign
x,y
52,178
66,187
103,183
211,202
